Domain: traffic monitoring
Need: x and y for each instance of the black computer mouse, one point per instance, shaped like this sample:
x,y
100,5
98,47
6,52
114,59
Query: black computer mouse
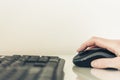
x,y
84,58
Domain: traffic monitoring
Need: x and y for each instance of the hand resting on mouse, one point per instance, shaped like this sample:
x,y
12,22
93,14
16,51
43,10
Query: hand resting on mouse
x,y
109,44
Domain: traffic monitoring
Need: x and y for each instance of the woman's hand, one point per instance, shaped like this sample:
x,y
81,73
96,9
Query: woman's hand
x,y
111,45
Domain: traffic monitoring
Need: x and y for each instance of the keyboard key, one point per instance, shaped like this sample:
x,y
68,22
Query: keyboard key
x,y
20,73
48,71
33,59
33,73
5,63
38,64
6,74
24,58
43,59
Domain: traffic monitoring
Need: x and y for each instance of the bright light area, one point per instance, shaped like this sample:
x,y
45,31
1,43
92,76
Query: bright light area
x,y
56,26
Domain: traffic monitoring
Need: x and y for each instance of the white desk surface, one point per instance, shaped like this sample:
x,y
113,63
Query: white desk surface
x,y
76,73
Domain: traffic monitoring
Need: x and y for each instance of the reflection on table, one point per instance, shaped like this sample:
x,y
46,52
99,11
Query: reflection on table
x,y
96,74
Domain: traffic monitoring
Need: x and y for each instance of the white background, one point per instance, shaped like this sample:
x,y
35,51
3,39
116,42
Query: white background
x,y
56,26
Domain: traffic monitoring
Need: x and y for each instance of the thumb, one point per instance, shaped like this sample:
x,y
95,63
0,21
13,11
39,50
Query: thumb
x,y
106,63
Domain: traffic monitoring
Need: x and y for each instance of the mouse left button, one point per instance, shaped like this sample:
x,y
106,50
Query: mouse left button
x,y
76,57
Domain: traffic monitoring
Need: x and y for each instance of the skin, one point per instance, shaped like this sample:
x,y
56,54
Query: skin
x,y
109,44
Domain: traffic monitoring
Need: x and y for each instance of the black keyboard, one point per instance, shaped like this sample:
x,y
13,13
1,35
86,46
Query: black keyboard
x,y
28,67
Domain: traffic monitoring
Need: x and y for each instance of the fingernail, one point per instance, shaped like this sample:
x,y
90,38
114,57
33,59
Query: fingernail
x,y
93,63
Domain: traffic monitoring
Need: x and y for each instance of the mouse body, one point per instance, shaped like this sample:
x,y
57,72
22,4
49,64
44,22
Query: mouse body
x,y
84,58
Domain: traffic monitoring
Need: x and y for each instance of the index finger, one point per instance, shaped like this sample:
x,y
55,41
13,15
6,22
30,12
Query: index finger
x,y
94,41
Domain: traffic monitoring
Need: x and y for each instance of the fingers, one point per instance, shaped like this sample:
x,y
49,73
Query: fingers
x,y
98,42
86,44
111,45
89,48
106,63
